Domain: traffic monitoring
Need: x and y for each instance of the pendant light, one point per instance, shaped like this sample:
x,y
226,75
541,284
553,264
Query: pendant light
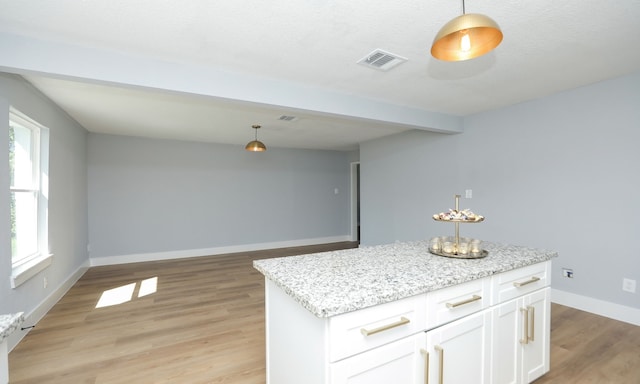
x,y
466,37
255,145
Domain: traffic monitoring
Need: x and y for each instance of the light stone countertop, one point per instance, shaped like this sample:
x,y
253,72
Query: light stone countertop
x,y
332,283
9,323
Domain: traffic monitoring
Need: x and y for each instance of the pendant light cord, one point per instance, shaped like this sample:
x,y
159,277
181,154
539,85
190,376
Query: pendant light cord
x,y
463,10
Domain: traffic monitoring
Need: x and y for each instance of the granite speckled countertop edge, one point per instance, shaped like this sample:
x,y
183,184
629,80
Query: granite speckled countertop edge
x,y
336,282
9,323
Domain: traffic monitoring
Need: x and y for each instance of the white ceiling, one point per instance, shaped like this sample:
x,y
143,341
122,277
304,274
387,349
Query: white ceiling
x,y
206,70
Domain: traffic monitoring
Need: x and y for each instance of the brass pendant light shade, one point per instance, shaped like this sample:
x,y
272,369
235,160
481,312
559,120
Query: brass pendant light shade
x,y
255,145
466,37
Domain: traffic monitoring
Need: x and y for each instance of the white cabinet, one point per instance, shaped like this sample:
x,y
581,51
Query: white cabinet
x,y
517,282
459,352
508,343
535,351
455,302
520,352
4,362
368,328
506,350
354,347
397,362
490,330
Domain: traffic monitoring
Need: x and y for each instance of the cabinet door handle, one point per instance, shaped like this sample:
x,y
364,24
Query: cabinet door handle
x,y
532,326
463,302
521,283
441,373
367,332
426,365
525,328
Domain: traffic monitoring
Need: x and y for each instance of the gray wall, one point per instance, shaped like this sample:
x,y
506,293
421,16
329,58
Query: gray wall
x,y
149,196
562,172
67,196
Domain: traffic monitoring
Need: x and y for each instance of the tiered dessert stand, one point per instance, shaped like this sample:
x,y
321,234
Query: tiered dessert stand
x,y
471,250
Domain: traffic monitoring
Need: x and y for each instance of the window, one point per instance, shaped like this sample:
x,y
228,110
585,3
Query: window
x,y
28,163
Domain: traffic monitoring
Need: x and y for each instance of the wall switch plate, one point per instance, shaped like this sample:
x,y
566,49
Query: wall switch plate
x,y
629,285
468,193
566,272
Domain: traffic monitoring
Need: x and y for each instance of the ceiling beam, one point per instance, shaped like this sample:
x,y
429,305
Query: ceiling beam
x,y
30,56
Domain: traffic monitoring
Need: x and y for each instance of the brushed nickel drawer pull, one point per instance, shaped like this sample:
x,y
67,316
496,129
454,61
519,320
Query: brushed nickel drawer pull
x,y
426,365
531,280
441,373
463,302
532,322
525,324
403,320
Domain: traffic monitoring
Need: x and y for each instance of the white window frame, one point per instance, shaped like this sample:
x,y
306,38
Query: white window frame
x,y
28,266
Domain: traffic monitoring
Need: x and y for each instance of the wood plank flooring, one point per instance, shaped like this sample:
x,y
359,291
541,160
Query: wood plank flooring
x,y
205,324
587,348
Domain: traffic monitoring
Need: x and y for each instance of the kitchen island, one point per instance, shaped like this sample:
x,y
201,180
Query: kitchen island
x,y
396,313
8,324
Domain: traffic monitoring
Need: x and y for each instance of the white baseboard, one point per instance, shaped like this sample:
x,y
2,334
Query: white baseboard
x,y
141,257
599,307
45,305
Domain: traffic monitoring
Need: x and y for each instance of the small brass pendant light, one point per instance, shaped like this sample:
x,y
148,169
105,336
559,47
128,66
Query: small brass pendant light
x,y
466,37
255,145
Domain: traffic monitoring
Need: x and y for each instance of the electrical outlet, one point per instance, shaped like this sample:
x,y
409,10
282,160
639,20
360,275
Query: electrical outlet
x,y
566,272
45,282
629,285
468,193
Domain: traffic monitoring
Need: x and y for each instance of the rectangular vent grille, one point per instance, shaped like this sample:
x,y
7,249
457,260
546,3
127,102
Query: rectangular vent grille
x,y
381,60
287,118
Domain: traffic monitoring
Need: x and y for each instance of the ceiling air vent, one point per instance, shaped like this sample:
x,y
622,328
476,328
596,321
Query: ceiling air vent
x,y
381,60
287,118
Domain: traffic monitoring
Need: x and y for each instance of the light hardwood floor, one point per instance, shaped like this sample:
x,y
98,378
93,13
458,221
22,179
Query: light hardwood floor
x,y
587,348
205,324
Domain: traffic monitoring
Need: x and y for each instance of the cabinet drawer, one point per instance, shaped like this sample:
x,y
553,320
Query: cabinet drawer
x,y
396,362
454,302
515,283
358,331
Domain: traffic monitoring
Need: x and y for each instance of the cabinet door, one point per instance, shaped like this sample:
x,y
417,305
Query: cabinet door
x,y
459,352
520,329
402,361
506,353
535,352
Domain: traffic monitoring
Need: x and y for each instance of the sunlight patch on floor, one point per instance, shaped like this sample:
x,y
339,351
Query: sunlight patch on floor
x,y
148,286
124,293
116,296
